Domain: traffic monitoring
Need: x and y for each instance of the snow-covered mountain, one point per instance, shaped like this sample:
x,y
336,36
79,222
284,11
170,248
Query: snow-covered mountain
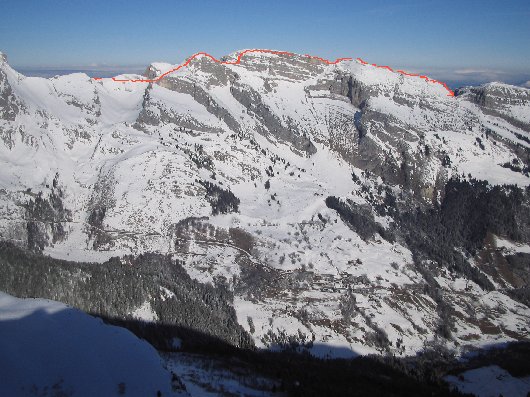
x,y
49,349
324,197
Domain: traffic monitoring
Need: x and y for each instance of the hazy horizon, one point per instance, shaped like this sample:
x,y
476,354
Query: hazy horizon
x,y
454,79
456,42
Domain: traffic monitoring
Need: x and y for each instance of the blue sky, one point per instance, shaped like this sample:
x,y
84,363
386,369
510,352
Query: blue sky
x,y
451,40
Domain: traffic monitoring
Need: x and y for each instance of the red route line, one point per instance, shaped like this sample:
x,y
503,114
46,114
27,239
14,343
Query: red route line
x,y
242,53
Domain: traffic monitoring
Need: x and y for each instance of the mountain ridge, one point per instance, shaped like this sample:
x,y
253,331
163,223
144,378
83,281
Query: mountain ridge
x,y
239,56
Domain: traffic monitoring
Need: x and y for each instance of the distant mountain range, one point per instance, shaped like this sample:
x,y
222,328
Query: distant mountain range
x,y
48,72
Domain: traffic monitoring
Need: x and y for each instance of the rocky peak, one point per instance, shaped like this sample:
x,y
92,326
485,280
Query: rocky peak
x,y
9,105
281,64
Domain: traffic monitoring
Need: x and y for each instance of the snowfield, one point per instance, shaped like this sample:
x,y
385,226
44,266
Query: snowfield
x,y
48,348
490,381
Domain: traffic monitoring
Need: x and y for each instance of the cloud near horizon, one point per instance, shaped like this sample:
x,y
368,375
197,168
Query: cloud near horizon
x,y
475,76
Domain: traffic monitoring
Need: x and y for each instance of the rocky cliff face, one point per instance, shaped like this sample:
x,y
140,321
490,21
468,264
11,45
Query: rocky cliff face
x,y
339,204
501,100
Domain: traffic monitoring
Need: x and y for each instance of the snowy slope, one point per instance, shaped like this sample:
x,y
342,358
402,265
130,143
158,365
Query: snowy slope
x,y
48,348
490,381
